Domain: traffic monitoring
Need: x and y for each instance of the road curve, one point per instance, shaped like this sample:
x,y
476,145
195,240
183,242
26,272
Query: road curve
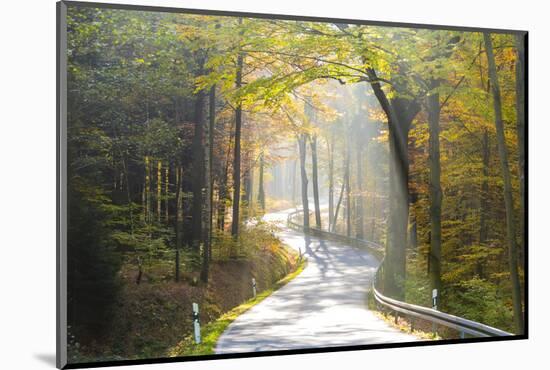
x,y
325,306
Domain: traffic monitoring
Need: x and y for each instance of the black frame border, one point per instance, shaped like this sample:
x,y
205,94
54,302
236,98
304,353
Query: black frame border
x,y
61,189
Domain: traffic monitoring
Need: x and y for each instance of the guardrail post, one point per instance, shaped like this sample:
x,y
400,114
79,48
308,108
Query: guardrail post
x,y
196,323
254,287
434,306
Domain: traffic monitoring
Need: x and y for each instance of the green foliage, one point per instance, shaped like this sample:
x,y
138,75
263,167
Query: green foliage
x,y
481,301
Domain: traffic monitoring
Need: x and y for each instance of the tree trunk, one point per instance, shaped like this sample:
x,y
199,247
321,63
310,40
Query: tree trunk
x,y
178,219
166,192
223,194
208,151
147,192
247,184
330,146
302,139
128,195
359,217
294,170
261,192
400,113
373,205
237,149
348,189
484,199
333,228
436,196
520,118
159,190
198,172
508,198
314,177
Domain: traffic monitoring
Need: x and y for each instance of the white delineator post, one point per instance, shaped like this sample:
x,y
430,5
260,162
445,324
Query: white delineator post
x,y
196,323
254,287
434,306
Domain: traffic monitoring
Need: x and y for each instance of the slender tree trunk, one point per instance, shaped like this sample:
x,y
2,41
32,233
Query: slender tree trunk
x,y
178,219
436,196
147,189
294,170
330,146
333,228
222,199
484,199
359,225
373,211
250,194
508,198
314,177
159,189
237,149
166,192
198,172
302,139
261,192
520,118
348,190
247,184
128,195
223,194
208,151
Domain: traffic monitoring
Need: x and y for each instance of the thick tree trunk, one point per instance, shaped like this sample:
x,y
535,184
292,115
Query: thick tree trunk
x,y
302,140
400,113
261,192
436,196
237,151
508,198
314,177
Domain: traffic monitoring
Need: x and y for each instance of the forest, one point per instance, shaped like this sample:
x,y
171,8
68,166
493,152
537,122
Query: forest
x,y
184,130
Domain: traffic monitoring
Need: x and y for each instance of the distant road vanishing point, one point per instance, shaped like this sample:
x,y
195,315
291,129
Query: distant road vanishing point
x,y
325,306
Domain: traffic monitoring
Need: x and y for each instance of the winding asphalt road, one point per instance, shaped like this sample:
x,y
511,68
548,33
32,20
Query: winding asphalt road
x,y
325,306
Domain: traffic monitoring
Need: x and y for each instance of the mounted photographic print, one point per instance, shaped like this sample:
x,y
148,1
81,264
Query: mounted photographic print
x,y
235,184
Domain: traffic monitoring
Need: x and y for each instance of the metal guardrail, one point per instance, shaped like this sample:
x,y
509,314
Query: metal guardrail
x,y
375,248
463,326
